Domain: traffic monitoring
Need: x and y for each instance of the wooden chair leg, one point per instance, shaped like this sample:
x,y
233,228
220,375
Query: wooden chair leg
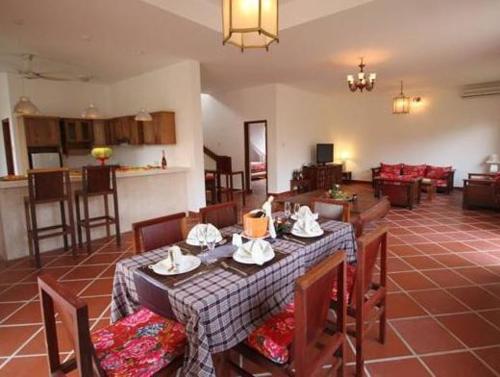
x,y
72,225
106,213
383,320
34,234
360,329
63,223
78,220
86,222
243,191
117,219
28,228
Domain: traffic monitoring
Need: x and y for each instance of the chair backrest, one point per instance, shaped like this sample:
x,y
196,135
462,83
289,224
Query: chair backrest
x,y
162,231
48,184
224,165
97,179
371,246
73,313
220,215
332,209
312,300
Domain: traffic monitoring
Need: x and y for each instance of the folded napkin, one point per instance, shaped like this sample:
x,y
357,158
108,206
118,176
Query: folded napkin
x,y
203,233
257,249
306,213
267,208
307,225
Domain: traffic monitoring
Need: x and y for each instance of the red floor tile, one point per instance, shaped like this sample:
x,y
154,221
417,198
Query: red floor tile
x,y
412,280
491,356
30,313
471,329
452,260
431,248
26,367
422,262
463,364
99,287
398,368
15,337
19,292
84,272
475,297
401,305
493,316
479,275
438,301
446,278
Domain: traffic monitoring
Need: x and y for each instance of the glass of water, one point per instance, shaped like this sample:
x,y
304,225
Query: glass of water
x,y
296,208
210,258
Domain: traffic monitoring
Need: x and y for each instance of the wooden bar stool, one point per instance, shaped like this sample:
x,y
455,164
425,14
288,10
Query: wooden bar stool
x,y
48,186
225,170
97,181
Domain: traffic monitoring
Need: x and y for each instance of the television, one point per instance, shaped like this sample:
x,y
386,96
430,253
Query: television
x,y
324,153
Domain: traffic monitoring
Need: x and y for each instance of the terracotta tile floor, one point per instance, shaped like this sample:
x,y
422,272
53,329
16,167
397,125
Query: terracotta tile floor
x,y
443,305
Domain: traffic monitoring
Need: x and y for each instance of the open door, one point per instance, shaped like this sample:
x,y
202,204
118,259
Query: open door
x,y
256,177
7,140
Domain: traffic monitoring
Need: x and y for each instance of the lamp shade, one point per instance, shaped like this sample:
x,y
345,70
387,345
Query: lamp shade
x,y
91,112
25,107
401,105
143,116
493,159
250,23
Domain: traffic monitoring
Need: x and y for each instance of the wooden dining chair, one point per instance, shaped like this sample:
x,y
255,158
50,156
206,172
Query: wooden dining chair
x,y
154,233
301,338
366,297
99,353
332,209
220,215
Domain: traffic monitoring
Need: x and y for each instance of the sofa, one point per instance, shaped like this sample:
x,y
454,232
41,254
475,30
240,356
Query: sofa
x,y
482,191
443,176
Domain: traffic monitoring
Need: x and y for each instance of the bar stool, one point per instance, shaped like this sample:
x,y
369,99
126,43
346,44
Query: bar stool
x,y
97,181
48,186
225,170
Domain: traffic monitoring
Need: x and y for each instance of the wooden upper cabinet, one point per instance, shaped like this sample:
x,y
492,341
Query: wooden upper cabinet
x,y
42,131
102,134
125,130
161,130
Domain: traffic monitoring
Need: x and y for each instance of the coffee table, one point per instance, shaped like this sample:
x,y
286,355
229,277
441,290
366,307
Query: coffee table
x,y
430,188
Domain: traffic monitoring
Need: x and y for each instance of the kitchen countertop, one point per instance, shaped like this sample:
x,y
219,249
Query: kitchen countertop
x,y
22,181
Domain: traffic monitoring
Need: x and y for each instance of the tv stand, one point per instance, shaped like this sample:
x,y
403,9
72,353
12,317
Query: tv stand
x,y
323,177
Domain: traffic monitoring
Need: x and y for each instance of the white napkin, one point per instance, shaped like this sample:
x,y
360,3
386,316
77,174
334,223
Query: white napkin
x,y
306,213
203,233
306,221
257,249
267,209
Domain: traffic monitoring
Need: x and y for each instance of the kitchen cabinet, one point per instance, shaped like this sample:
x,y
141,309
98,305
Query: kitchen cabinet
x,y
42,131
78,135
125,130
161,130
102,134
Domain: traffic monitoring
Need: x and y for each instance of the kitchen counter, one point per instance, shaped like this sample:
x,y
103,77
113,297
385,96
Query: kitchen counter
x,y
142,194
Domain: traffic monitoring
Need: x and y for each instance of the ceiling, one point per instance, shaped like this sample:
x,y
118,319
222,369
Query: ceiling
x,y
425,42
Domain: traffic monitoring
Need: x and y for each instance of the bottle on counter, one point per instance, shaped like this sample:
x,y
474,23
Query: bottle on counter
x,y
163,160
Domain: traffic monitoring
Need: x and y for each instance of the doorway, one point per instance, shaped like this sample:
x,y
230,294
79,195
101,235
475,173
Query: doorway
x,y
7,140
256,166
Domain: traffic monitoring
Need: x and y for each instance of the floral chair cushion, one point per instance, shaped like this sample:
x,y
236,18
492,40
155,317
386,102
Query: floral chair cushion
x,y
391,169
415,171
273,338
389,176
350,278
441,182
438,172
138,345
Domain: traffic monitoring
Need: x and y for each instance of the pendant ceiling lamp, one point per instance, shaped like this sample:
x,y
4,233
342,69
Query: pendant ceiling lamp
x,y
401,103
91,112
25,107
362,82
250,23
143,116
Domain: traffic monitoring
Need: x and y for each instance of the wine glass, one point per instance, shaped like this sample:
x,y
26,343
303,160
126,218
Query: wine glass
x,y
210,250
288,209
296,209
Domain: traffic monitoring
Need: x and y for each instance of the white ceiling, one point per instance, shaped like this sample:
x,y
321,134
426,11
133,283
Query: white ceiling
x,y
448,42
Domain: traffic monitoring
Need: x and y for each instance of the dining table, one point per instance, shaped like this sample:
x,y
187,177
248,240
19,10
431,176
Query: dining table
x,y
220,306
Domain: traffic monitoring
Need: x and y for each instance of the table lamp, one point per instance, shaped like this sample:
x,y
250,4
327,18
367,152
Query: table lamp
x,y
493,162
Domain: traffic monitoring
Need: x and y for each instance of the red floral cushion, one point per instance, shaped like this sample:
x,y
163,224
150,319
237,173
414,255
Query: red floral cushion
x,y
416,171
441,182
438,172
391,169
138,345
350,278
273,338
389,176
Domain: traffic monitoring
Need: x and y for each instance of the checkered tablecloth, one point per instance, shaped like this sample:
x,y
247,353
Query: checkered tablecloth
x,y
219,308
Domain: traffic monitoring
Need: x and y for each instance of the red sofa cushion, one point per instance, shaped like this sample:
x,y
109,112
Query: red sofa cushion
x,y
415,171
389,176
438,172
391,169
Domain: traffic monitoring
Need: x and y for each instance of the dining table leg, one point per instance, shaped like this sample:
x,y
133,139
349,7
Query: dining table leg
x,y
220,364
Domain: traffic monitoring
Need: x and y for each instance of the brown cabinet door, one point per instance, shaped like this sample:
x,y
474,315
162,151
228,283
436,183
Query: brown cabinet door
x,y
134,131
161,130
101,133
42,132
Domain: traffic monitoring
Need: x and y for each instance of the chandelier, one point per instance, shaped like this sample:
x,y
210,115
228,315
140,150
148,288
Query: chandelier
x,y
250,23
401,103
362,82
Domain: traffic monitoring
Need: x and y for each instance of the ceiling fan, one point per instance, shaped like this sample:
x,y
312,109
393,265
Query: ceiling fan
x,y
28,73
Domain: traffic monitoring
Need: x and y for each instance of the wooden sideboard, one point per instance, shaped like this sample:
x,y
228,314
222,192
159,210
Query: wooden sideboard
x,y
323,177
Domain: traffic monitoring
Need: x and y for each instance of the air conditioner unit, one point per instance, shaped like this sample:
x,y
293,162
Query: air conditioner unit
x,y
483,89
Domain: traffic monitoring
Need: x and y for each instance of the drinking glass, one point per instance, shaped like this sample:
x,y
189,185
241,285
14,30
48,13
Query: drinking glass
x,y
210,252
288,209
296,208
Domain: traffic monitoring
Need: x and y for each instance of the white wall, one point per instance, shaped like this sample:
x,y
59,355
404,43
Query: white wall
x,y
444,130
224,115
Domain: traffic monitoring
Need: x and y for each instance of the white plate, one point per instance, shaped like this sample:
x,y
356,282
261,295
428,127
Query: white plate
x,y
244,257
243,234
301,234
186,263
